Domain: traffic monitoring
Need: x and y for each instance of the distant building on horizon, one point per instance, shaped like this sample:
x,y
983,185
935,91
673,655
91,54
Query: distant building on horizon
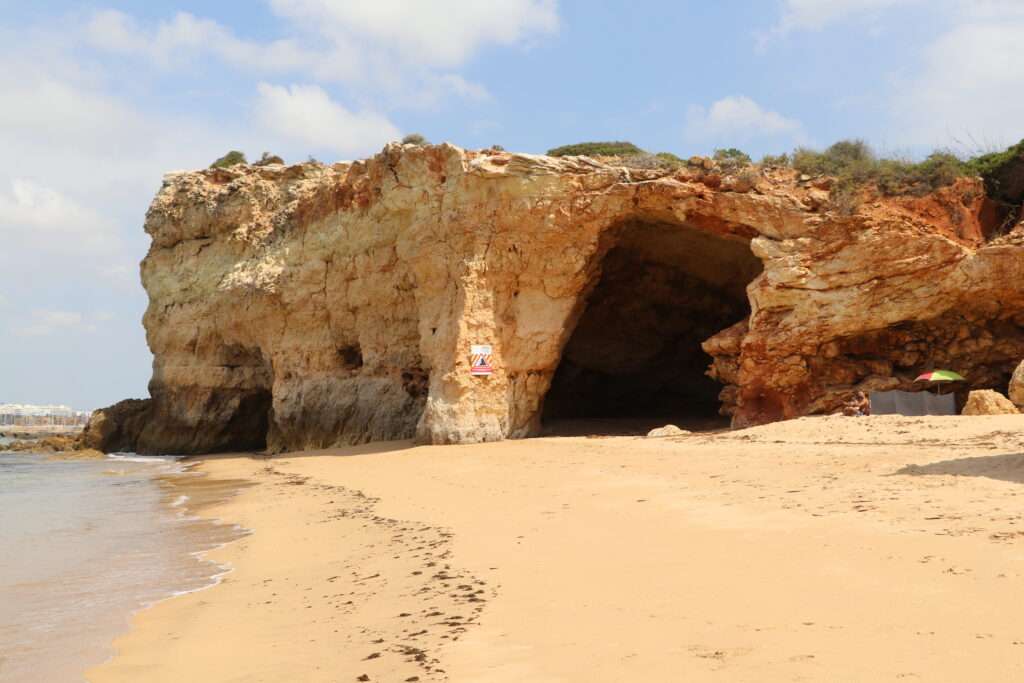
x,y
29,415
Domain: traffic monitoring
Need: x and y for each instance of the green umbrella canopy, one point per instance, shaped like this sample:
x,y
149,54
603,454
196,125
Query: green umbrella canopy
x,y
940,376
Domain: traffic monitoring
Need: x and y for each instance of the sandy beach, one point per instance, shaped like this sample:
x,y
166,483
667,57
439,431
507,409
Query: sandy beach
x,y
846,549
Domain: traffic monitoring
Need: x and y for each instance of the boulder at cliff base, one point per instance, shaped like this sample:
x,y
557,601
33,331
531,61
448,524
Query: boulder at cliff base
x,y
988,402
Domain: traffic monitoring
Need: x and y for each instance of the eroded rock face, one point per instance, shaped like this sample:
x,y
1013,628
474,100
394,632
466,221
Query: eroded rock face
x,y
117,427
310,305
1016,389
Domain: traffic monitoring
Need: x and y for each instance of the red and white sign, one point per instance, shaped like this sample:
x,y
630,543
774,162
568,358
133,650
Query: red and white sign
x,y
480,360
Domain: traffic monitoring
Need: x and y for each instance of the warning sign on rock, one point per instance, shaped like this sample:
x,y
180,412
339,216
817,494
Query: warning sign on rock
x,y
480,359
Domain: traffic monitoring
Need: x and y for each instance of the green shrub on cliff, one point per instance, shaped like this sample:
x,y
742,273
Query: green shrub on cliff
x,y
414,139
844,158
230,159
670,159
1003,173
646,160
938,170
592,149
992,161
267,158
731,158
854,164
775,160
629,154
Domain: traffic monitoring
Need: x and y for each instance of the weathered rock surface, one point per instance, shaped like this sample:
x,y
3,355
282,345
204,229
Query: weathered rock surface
x,y
66,446
1016,389
47,444
311,305
116,429
988,402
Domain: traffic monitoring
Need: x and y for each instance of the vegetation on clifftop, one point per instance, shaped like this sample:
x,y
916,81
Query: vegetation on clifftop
x,y
853,163
629,154
267,158
1003,173
414,139
732,158
596,149
230,159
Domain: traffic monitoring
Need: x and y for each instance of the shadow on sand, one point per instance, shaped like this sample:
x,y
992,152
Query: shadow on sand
x,y
1005,467
636,426
371,448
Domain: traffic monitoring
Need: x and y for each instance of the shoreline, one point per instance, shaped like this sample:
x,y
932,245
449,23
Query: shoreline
x,y
335,507
189,492
844,548
98,541
184,493
179,491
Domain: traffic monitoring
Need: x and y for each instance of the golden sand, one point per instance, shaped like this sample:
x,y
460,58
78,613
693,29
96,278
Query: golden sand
x,y
846,549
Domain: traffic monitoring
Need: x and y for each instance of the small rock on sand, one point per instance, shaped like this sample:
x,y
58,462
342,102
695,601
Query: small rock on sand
x,y
988,402
667,430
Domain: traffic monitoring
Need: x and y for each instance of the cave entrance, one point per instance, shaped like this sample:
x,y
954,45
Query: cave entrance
x,y
634,359
245,406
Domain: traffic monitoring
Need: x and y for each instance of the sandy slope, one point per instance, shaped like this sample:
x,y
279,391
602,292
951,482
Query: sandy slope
x,y
818,549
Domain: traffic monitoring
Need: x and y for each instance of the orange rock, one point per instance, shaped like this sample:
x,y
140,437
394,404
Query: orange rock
x,y
988,402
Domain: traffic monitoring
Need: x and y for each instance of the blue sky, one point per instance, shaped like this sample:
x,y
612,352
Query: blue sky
x,y
97,100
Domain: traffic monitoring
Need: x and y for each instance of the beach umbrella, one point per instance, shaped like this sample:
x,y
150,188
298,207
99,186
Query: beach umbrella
x,y
940,376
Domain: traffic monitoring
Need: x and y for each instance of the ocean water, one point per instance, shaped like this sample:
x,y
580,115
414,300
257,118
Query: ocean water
x,y
84,545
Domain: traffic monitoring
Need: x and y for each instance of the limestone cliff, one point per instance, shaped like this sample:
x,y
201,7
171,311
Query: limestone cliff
x,y
310,305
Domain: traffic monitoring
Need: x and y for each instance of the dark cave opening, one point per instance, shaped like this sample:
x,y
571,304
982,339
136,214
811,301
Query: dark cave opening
x,y
248,427
634,359
248,404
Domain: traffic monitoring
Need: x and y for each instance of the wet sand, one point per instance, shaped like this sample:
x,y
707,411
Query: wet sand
x,y
852,549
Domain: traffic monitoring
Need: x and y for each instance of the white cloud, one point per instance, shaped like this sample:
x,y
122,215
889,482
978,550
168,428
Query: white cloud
x,y
966,92
458,85
43,323
442,33
963,87
306,113
44,218
115,31
403,50
814,15
37,219
64,127
82,163
989,9
186,38
739,118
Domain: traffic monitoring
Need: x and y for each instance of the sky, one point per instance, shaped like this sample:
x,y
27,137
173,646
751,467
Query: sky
x,y
99,100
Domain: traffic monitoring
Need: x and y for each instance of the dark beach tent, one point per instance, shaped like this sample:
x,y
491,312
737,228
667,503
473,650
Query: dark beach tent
x,y
912,403
918,402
